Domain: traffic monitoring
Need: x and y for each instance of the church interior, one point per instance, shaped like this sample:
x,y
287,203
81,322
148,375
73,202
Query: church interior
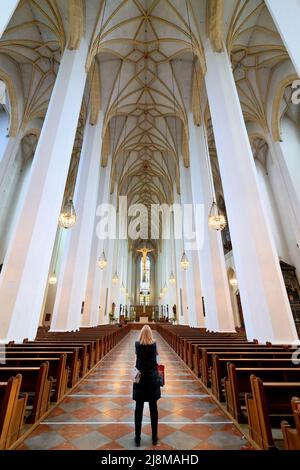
x,y
150,175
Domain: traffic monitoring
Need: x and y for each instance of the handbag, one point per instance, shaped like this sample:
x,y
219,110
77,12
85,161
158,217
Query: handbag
x,y
161,374
136,375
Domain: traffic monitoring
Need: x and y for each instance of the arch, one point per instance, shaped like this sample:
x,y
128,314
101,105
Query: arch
x,y
276,124
14,119
257,151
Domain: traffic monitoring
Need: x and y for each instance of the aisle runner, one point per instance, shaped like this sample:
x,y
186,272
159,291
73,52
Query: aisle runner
x,y
99,414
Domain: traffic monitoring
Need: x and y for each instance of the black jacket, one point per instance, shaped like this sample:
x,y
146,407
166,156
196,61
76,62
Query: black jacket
x,y
148,389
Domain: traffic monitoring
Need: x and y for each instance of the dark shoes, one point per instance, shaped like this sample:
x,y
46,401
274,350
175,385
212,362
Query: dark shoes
x,y
137,441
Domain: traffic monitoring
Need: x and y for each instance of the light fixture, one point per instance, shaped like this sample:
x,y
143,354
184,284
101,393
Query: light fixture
x,y
233,281
184,261
122,288
67,216
115,278
102,261
53,279
172,279
165,288
216,219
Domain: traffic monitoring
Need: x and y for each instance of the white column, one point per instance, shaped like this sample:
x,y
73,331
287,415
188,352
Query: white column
x,y
7,9
286,18
266,308
73,275
9,155
107,284
180,277
25,272
93,313
218,308
192,274
287,203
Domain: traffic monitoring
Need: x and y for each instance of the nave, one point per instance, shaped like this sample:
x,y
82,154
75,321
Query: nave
x,y
99,413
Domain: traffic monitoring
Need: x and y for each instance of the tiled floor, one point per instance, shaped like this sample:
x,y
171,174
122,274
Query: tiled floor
x,y
99,413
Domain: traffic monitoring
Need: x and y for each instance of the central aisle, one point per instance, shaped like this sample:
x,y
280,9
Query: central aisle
x,y
99,414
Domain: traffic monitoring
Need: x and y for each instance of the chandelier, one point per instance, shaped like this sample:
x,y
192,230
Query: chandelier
x,y
102,261
53,279
184,261
122,288
165,288
115,278
67,216
216,219
172,279
233,282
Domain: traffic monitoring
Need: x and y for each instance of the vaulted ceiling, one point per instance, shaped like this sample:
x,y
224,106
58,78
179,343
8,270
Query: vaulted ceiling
x,y
146,67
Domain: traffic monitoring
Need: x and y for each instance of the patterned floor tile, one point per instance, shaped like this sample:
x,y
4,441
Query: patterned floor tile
x,y
91,441
99,413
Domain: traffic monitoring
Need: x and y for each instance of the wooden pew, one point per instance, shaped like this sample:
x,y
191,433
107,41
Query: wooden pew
x,y
267,405
36,384
237,384
12,411
55,346
207,354
190,346
89,346
57,370
218,372
204,356
291,436
73,362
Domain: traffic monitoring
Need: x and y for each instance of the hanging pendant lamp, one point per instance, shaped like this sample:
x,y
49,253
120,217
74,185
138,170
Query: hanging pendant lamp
x,y
184,261
52,279
115,278
67,218
216,220
165,288
172,279
102,261
233,282
122,288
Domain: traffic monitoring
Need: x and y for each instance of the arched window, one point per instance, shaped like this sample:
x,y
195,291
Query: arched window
x,y
145,282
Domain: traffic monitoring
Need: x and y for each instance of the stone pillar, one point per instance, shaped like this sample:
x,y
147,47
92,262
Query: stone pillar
x,y
218,308
286,18
94,308
25,271
75,265
192,274
8,8
266,308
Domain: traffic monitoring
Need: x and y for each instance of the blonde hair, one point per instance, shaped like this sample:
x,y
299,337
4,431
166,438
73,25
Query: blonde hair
x,y
146,336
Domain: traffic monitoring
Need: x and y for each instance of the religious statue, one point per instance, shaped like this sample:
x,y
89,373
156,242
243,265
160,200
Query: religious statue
x,y
144,252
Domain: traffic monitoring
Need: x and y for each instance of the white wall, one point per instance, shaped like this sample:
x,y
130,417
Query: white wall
x,y
4,125
271,208
291,149
11,205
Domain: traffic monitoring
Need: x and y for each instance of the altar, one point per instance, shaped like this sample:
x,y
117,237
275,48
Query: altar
x,y
144,319
143,313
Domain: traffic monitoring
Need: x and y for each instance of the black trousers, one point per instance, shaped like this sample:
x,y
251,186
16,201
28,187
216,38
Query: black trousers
x,y
138,417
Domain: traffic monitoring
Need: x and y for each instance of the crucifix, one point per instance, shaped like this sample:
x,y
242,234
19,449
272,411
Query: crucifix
x,y
144,252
